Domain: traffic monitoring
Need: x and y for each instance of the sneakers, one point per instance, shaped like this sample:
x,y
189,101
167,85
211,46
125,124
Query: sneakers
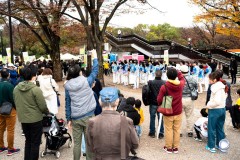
x,y
198,139
160,136
151,135
175,150
167,150
190,134
12,151
212,150
3,149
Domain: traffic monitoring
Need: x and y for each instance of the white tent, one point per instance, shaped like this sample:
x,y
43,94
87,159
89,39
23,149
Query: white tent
x,y
68,56
41,58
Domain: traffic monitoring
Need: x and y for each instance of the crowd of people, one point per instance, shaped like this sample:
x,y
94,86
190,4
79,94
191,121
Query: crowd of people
x,y
92,112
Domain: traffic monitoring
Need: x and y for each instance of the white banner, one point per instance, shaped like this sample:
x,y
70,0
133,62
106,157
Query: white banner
x,y
166,57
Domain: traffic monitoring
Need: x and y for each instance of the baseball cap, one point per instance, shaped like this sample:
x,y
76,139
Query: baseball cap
x,y
109,94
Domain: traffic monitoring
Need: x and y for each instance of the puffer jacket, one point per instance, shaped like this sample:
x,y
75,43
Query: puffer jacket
x,y
192,83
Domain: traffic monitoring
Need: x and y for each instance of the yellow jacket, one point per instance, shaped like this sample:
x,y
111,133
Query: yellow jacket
x,y
140,111
105,65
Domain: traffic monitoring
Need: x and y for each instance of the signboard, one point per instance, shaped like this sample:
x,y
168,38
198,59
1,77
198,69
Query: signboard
x,y
135,56
166,57
140,58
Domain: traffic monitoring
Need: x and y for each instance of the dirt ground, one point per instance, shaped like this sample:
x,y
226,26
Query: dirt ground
x,y
150,148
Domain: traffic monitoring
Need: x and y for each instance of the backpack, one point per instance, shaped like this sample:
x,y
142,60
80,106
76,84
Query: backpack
x,y
146,94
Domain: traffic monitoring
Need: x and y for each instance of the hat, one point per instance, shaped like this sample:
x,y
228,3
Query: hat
x,y
224,145
109,94
184,69
10,65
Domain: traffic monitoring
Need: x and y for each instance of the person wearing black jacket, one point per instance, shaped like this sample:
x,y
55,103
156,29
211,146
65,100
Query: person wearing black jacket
x,y
129,111
233,69
154,87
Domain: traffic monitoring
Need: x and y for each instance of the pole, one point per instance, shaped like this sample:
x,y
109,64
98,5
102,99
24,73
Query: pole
x,y
10,29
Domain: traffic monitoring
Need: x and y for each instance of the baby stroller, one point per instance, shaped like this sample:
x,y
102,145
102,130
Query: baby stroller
x,y
56,135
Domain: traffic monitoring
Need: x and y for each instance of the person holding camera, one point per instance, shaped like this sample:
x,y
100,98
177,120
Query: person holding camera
x,y
80,103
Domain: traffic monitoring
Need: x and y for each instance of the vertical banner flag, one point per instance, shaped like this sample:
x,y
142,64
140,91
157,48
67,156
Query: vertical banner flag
x,y
165,57
82,50
25,56
85,59
4,59
8,55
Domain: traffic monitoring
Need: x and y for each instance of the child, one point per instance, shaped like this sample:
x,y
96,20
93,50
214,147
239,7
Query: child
x,y
129,111
200,125
235,113
138,104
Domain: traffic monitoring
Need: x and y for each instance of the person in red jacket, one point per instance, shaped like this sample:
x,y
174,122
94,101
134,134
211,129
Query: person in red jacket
x,y
172,123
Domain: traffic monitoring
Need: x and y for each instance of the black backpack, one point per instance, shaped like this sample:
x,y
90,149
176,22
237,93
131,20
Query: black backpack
x,y
146,94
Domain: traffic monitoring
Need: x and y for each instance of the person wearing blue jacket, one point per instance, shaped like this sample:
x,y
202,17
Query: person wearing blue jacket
x,y
80,103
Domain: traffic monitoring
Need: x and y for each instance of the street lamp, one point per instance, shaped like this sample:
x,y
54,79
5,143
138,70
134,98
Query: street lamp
x,y
190,43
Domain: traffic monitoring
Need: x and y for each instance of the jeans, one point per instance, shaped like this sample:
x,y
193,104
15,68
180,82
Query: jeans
x,y
33,135
9,123
139,130
216,119
79,126
153,112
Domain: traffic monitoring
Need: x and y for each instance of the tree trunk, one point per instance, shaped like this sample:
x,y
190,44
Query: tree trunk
x,y
57,68
100,61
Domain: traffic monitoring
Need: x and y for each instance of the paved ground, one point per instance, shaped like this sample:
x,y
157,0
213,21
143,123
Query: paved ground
x,y
150,148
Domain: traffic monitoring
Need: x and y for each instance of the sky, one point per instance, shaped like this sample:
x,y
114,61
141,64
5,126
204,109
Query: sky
x,y
178,13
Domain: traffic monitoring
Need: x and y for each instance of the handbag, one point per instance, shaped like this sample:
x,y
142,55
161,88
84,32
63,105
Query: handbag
x,y
166,107
6,108
123,151
194,93
58,100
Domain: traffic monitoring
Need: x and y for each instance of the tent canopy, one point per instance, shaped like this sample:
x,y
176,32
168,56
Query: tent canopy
x,y
68,56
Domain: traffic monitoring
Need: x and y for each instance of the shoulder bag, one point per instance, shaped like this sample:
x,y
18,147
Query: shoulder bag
x,y
58,100
166,107
123,123
6,108
194,93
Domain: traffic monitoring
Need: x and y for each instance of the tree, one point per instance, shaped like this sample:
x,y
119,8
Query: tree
x,y
99,12
72,37
225,12
42,17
